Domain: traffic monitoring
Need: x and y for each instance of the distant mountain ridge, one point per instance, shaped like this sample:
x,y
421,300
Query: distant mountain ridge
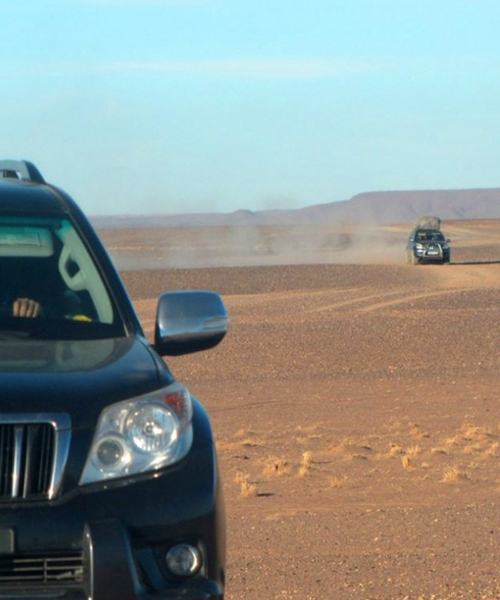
x,y
367,207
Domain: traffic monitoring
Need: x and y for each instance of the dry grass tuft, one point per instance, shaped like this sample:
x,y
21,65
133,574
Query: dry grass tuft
x,y
439,450
395,425
473,432
249,443
240,477
353,447
307,459
473,438
247,489
395,450
469,432
453,441
305,463
493,450
303,471
276,467
407,464
414,451
308,428
455,475
358,457
417,433
472,448
335,482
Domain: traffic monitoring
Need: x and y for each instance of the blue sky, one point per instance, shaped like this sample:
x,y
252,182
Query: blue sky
x,y
168,106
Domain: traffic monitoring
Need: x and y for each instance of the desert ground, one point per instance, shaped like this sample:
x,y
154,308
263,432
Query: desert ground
x,y
355,403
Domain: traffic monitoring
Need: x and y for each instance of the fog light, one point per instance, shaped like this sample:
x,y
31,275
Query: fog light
x,y
183,560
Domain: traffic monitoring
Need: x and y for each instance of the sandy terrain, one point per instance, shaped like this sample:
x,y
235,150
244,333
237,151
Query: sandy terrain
x,y
356,408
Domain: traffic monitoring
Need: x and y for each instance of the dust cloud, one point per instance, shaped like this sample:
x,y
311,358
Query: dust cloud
x,y
195,247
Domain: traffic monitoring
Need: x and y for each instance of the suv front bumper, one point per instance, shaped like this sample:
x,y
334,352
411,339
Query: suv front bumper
x,y
432,256
113,572
122,533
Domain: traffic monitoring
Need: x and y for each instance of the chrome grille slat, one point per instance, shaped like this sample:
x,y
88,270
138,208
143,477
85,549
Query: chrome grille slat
x,y
46,471
19,431
27,487
34,449
27,456
6,451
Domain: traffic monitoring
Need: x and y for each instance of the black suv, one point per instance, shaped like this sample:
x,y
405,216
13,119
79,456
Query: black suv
x,y
427,245
109,485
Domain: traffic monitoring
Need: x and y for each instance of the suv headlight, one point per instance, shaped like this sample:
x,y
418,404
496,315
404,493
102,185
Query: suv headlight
x,y
419,246
139,435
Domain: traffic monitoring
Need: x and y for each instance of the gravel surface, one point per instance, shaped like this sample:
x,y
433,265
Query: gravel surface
x,y
357,416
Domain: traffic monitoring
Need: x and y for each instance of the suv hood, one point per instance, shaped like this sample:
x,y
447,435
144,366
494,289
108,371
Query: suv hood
x,y
75,377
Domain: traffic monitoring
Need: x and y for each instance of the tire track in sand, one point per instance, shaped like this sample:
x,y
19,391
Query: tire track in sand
x,y
454,279
469,275
352,301
411,298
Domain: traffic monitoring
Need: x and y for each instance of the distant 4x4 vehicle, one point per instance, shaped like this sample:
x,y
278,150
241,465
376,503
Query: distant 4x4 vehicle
x,y
427,243
109,485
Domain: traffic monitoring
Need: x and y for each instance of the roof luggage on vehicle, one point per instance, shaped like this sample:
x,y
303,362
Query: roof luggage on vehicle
x,y
427,222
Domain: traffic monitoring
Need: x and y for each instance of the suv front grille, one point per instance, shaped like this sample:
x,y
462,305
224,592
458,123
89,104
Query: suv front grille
x,y
33,453
64,568
26,459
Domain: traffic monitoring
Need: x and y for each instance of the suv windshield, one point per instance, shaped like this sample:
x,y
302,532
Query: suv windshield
x,y
430,236
49,284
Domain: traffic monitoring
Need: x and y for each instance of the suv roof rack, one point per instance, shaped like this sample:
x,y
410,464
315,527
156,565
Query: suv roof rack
x,y
20,169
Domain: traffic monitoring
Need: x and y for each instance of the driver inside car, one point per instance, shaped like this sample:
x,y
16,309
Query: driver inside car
x,y
26,307
22,307
33,286
29,308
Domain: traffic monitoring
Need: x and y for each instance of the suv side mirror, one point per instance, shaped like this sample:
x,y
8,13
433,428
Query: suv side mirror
x,y
189,321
